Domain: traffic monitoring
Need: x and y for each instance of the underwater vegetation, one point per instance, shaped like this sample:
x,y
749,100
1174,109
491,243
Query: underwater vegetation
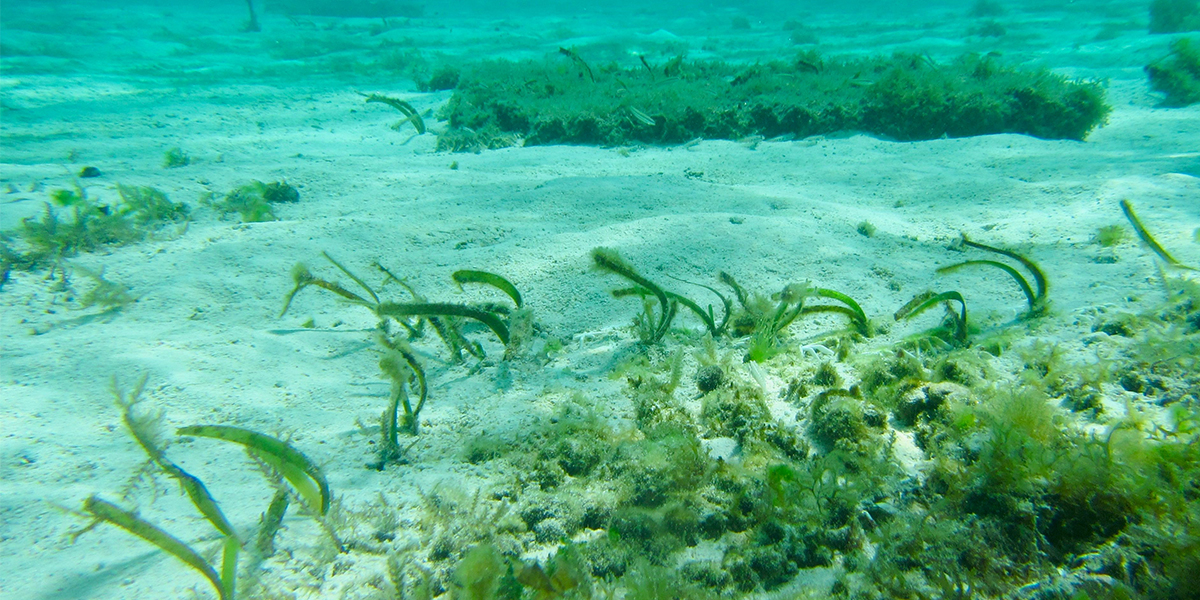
x,y
1013,495
410,114
1035,297
1151,243
1174,16
277,460
1177,75
74,222
929,299
982,467
174,158
512,326
650,328
761,319
90,225
254,202
1110,236
955,328
564,100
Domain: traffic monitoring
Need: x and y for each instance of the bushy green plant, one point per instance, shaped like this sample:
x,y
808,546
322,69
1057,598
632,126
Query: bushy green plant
x,y
765,319
1021,436
444,77
91,225
836,420
1177,75
1110,235
149,207
109,296
254,202
174,158
915,100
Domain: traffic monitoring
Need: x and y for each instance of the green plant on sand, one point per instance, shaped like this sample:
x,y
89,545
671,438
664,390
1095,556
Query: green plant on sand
x,y
410,114
92,225
1174,16
175,157
927,300
254,202
1151,243
764,319
758,317
399,361
279,459
652,328
1035,296
1177,75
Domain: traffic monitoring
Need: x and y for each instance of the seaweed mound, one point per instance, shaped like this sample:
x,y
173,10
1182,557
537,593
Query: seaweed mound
x,y
905,97
1177,75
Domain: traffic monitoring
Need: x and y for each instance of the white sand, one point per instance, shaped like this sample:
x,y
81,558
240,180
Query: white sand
x,y
206,324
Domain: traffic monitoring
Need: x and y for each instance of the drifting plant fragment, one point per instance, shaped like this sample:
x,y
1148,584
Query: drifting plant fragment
x,y
926,300
410,114
103,511
1149,240
1036,298
578,60
306,478
304,475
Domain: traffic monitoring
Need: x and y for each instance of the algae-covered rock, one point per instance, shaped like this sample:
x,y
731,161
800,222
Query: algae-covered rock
x,y
837,417
709,378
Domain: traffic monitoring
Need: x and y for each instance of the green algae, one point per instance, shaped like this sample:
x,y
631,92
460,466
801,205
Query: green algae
x,y
442,316
906,97
1023,464
1035,298
410,114
1018,490
107,512
929,299
1148,239
255,202
90,226
1177,75
279,460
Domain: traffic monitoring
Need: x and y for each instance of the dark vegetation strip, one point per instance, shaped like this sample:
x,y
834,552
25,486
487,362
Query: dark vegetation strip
x,y
905,97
